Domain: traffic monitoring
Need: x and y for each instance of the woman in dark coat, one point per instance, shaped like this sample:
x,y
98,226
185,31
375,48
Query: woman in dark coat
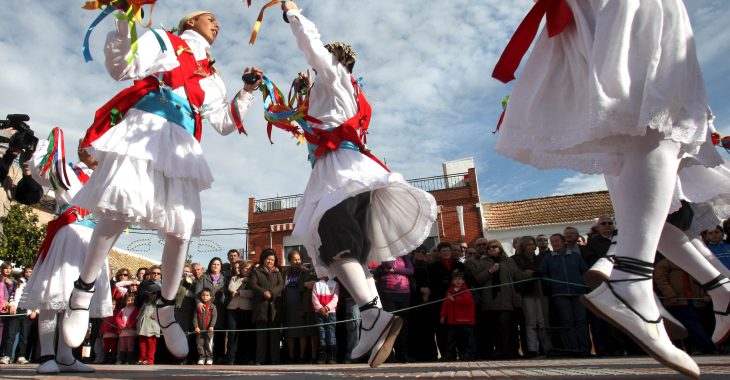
x,y
298,307
267,284
217,282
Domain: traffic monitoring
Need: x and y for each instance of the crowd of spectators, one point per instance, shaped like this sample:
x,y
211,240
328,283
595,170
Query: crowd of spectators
x,y
460,302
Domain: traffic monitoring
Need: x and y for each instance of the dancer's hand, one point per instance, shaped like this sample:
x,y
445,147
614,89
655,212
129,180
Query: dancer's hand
x,y
250,88
288,5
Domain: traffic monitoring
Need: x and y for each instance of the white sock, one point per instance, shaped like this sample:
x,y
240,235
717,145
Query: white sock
x,y
352,276
64,355
47,331
675,245
641,196
173,261
105,234
371,285
700,246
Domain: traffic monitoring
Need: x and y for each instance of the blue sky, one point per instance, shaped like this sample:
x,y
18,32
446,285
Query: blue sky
x,y
426,67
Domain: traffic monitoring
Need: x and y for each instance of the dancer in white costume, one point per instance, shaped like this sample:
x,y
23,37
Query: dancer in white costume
x,y
353,209
58,263
151,165
619,92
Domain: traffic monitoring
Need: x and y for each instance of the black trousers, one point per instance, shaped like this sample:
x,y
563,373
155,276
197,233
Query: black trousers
x,y
344,227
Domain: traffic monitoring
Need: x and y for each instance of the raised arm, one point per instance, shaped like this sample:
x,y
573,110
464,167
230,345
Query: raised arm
x,y
309,42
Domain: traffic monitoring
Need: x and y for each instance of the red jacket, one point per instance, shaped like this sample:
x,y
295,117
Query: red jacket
x,y
109,324
131,321
460,311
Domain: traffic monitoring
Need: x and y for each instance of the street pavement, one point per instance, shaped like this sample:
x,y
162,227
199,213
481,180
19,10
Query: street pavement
x,y
712,367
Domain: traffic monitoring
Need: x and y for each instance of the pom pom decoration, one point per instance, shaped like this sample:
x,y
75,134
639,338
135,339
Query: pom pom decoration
x,y
501,117
130,10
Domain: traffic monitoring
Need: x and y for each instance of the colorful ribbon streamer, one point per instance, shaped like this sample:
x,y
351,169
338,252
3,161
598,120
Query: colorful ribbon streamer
x,y
132,14
257,25
53,165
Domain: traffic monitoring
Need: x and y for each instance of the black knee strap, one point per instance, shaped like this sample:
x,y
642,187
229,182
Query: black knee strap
x,y
46,358
370,305
716,282
163,302
643,269
83,286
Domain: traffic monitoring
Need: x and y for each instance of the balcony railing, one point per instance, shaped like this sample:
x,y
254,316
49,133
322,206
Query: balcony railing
x,y
442,182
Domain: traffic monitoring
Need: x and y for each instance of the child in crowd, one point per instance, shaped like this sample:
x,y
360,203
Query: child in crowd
x,y
205,319
324,301
109,332
148,330
126,321
458,312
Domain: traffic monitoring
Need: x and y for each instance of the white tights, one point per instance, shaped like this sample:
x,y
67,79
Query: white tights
x,y
352,276
641,195
107,232
46,335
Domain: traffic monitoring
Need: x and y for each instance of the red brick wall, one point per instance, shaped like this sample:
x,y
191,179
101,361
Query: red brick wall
x,y
261,237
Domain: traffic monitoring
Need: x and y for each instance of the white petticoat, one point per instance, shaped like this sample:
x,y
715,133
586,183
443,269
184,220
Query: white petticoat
x,y
584,95
51,283
400,216
150,173
709,191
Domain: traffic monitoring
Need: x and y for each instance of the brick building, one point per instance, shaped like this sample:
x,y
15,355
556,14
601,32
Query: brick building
x,y
456,192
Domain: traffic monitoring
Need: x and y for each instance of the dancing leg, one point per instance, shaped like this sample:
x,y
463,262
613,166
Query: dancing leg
x,y
678,248
66,360
173,261
46,335
641,197
76,317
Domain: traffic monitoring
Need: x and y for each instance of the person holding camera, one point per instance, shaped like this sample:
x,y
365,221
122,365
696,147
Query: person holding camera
x,y
62,253
351,197
152,168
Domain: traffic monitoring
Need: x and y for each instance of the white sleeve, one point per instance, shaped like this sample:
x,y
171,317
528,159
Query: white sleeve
x,y
148,59
310,43
226,117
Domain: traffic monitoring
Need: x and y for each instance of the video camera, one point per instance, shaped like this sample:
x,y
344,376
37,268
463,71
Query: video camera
x,y
23,139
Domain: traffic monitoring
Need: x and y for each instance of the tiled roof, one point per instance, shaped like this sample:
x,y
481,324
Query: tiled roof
x,y
119,258
559,209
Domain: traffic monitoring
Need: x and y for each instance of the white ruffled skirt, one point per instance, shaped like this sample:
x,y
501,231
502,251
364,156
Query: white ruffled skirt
x,y
150,173
400,216
51,283
623,68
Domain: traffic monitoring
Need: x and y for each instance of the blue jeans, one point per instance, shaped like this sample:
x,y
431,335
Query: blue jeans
x,y
353,327
327,332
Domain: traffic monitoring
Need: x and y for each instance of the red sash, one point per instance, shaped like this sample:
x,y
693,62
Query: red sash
x,y
353,130
68,217
558,15
188,74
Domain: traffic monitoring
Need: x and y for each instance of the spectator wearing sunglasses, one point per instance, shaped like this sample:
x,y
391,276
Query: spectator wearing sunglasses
x,y
599,242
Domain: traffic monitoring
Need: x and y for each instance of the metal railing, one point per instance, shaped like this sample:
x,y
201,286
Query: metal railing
x,y
442,182
276,204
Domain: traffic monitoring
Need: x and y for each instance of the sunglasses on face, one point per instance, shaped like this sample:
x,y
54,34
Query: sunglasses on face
x,y
606,223
124,274
481,244
156,273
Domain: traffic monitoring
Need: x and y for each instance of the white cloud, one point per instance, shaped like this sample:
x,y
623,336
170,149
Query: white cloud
x,y
580,183
426,66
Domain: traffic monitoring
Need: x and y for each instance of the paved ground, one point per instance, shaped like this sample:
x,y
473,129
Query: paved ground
x,y
712,367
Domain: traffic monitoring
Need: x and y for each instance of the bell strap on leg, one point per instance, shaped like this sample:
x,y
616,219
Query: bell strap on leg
x,y
82,286
642,269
